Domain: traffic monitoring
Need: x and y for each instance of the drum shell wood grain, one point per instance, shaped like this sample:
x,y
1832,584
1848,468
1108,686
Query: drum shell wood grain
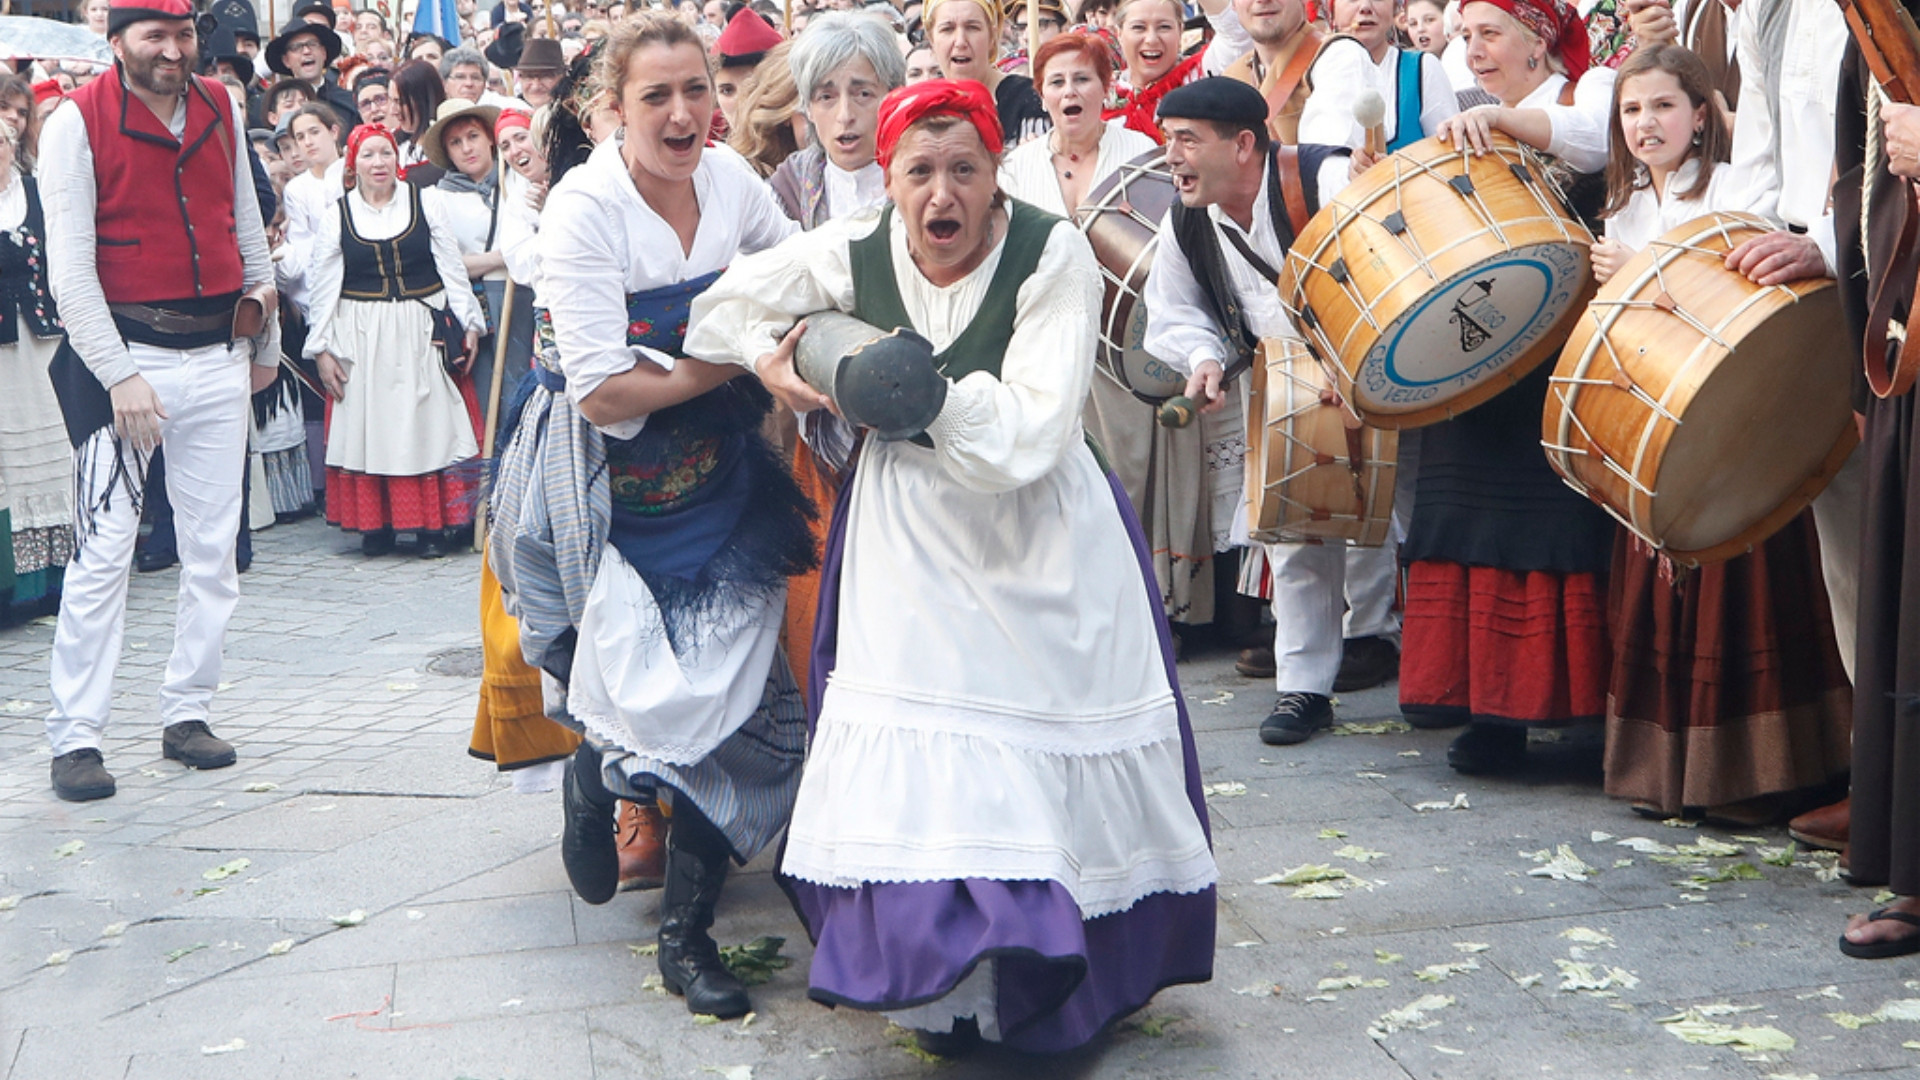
x,y
1121,218
1445,235
1301,484
1755,413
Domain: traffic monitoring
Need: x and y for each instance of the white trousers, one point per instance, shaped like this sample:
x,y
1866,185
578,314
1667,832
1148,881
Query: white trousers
x,y
1322,595
1839,517
204,393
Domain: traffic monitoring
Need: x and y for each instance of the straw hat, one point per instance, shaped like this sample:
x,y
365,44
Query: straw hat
x,y
451,110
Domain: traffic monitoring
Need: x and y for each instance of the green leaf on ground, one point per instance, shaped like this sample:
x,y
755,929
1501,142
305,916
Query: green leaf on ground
x,y
1691,1027
187,950
756,961
227,869
69,849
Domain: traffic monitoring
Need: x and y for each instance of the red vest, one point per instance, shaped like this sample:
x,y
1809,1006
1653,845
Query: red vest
x,y
164,207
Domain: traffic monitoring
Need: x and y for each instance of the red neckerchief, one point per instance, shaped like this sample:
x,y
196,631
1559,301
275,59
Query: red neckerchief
x,y
1140,107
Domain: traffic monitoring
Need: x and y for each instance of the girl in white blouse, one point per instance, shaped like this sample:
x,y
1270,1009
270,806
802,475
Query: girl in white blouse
x,y
1667,153
1726,694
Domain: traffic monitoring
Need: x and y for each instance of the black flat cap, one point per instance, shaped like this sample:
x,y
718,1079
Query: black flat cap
x,y
1218,99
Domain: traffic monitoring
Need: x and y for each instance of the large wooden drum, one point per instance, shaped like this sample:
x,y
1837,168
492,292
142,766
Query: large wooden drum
x,y
1121,217
1313,472
1438,279
1701,410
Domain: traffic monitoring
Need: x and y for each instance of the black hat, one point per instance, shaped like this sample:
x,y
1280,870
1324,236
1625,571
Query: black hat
x,y
237,16
223,45
124,13
302,7
277,48
1219,99
507,45
542,54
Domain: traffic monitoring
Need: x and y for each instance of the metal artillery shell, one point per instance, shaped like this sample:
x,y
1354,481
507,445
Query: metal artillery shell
x,y
881,379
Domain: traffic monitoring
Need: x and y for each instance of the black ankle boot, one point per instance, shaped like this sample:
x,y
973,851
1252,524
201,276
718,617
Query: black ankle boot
x,y
588,846
690,962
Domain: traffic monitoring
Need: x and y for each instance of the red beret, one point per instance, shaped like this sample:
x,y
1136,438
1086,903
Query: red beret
x,y
46,90
746,37
124,13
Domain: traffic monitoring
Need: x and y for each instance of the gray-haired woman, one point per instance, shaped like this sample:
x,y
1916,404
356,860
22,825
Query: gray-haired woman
x,y
842,66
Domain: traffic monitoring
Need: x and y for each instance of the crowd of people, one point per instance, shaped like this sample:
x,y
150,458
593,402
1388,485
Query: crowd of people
x,y
563,260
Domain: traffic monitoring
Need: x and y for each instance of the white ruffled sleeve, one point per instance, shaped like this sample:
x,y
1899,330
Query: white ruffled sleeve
x,y
742,316
453,272
325,272
996,435
1580,129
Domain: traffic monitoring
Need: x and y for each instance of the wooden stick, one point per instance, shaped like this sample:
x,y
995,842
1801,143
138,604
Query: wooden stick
x,y
786,16
493,399
1033,33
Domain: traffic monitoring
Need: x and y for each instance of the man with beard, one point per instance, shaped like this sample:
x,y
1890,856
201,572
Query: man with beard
x,y
152,280
304,50
1211,299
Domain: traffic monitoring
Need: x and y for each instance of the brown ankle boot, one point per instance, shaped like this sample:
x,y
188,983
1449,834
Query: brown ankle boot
x,y
1823,828
643,850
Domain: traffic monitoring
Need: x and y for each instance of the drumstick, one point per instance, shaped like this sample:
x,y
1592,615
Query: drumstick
x,y
1370,112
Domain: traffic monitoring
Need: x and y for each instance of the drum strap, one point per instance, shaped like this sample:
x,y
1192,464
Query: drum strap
x,y
1906,364
1295,72
1286,178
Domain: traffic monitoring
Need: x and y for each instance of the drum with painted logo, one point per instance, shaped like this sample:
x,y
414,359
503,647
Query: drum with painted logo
x,y
1314,472
1121,217
1702,411
1438,279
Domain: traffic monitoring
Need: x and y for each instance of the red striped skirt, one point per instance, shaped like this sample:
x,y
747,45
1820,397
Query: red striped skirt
x,y
1482,643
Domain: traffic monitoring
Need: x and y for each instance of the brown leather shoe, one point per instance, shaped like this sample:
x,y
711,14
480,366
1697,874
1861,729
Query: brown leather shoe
x,y
1256,662
643,847
1823,828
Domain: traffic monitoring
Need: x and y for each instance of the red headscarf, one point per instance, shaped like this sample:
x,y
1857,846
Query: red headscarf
x,y
914,102
46,90
1554,22
509,119
359,137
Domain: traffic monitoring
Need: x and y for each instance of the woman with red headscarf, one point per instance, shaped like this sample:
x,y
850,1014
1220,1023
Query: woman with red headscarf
x,y
399,427
999,832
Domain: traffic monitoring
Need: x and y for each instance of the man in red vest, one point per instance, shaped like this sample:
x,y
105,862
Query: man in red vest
x,y
154,245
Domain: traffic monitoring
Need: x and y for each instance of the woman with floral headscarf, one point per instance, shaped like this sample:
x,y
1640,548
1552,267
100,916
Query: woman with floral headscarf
x,y
1505,623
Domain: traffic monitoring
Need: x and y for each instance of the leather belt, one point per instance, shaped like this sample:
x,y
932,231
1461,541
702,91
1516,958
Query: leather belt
x,y
173,322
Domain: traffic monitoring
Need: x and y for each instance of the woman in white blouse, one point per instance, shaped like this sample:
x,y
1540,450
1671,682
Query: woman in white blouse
x,y
643,530
399,426
1075,75
461,141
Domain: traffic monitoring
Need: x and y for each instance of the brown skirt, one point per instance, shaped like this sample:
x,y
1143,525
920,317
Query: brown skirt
x,y
1726,682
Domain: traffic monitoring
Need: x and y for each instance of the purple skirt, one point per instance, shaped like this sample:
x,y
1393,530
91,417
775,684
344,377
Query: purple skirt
x,y
1061,980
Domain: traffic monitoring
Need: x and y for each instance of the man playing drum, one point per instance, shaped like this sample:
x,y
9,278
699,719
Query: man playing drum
x,y
1212,296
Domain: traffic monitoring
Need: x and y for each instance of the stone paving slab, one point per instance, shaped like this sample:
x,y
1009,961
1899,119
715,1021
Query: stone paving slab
x,y
473,959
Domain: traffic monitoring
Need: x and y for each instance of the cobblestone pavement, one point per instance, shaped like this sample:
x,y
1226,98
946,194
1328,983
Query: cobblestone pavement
x,y
189,927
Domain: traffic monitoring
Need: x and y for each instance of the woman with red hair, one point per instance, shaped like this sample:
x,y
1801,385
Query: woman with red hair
x,y
1075,74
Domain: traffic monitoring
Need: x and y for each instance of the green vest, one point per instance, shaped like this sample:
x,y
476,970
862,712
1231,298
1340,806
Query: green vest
x,y
983,344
